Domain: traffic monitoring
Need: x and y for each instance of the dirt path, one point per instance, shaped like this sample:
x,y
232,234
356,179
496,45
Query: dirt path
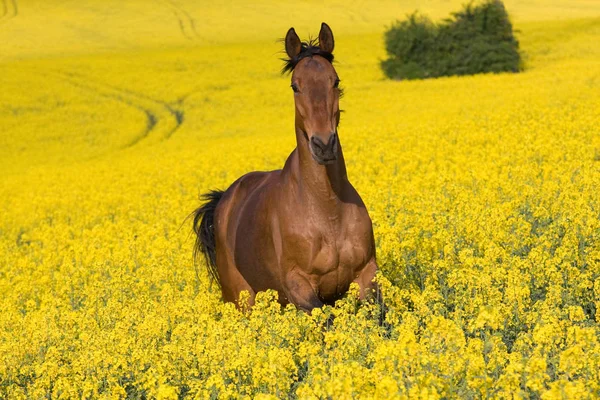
x,y
8,9
187,24
162,119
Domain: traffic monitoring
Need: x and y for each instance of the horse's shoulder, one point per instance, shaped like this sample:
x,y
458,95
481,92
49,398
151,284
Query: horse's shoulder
x,y
249,192
249,182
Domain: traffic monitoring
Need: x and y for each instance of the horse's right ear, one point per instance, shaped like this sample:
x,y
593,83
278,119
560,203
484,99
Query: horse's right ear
x,y
293,45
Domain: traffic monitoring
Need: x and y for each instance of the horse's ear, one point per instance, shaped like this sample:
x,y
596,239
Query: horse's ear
x,y
293,46
326,38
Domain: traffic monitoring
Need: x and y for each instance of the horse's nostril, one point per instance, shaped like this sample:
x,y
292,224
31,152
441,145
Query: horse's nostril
x,y
332,141
318,143
324,151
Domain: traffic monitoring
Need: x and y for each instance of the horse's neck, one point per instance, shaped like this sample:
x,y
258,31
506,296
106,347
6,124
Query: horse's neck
x,y
322,186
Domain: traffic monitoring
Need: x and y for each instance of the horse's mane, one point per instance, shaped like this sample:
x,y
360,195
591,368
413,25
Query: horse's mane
x,y
309,49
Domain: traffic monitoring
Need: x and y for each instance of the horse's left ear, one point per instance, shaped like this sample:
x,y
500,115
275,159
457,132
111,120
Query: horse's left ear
x,y
326,38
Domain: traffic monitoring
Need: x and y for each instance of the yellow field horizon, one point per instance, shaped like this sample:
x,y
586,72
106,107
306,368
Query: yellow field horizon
x,y
36,28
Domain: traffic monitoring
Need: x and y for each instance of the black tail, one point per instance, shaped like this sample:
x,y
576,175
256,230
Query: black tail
x,y
205,231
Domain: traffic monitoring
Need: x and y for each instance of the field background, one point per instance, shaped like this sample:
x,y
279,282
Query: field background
x,y
116,115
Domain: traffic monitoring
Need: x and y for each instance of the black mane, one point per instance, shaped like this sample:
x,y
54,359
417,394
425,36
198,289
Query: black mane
x,y
309,49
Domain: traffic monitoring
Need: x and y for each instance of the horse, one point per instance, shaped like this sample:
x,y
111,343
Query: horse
x,y
303,230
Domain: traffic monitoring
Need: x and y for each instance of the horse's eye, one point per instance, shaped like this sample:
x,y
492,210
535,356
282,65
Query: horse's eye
x,y
336,84
295,88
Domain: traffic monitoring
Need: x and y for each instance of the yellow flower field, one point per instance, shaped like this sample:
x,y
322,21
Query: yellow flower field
x,y
483,190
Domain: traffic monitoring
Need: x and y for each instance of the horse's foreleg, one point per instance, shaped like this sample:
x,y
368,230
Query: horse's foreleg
x,y
368,288
300,292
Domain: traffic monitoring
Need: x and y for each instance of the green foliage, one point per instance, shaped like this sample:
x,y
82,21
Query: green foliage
x,y
477,39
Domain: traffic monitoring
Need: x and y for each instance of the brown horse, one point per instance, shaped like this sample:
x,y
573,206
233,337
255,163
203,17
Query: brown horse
x,y
302,230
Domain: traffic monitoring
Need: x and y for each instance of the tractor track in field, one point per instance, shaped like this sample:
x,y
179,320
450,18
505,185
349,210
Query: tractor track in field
x,y
187,24
162,119
9,9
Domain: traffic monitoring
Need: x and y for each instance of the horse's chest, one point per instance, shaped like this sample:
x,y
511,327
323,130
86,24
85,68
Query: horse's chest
x,y
341,251
329,254
335,265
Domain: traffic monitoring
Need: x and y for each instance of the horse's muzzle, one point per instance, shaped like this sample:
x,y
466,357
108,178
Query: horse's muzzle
x,y
324,153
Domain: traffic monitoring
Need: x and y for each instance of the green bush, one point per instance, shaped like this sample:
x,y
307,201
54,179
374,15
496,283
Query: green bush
x,y
477,39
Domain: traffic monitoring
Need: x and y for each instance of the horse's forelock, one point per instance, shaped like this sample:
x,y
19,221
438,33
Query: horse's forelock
x,y
309,49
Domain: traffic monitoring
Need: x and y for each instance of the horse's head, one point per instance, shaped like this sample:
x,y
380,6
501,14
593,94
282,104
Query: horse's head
x,y
316,92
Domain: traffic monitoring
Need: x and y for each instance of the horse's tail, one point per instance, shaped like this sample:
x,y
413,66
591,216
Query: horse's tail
x,y
205,232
